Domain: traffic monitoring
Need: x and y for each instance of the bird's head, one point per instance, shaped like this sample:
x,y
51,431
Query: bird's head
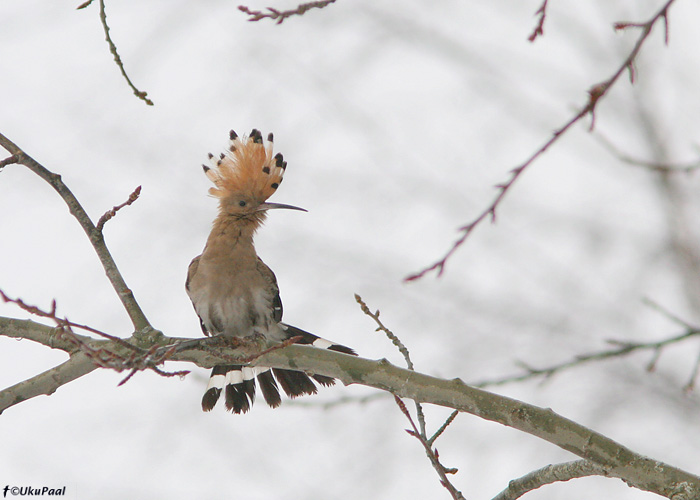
x,y
245,176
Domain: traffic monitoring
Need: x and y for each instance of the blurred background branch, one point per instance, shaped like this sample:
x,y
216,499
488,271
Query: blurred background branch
x,y
595,94
280,15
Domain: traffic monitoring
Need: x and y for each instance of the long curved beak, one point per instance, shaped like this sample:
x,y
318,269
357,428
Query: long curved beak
x,y
270,206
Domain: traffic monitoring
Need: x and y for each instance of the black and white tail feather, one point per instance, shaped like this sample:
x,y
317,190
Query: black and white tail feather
x,y
238,381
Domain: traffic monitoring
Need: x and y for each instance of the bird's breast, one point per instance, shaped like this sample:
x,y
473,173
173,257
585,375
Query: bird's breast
x,y
235,301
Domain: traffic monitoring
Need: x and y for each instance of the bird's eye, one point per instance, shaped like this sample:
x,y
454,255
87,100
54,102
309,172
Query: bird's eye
x,y
241,203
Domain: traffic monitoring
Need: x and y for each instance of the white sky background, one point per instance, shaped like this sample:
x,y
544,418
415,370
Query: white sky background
x,y
396,119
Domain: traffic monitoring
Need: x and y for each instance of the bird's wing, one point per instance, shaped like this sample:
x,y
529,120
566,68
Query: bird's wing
x,y
276,300
191,271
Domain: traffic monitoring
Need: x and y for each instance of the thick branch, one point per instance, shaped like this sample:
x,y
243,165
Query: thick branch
x,y
134,311
43,334
47,382
548,475
617,460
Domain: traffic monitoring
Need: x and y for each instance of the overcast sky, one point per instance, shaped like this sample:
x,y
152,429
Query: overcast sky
x,y
397,119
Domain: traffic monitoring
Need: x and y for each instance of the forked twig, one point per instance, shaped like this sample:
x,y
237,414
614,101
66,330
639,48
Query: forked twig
x,y
431,452
280,15
539,29
421,434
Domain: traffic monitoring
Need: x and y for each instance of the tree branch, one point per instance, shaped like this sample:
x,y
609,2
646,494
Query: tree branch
x,y
46,383
117,58
280,16
108,215
36,332
618,461
621,462
138,353
595,94
95,236
431,452
539,29
548,475
419,432
655,166
8,161
113,49
621,349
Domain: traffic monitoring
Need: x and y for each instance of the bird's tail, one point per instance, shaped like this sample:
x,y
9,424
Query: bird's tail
x,y
238,381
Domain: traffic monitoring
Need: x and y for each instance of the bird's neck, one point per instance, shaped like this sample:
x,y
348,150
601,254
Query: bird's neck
x,y
232,237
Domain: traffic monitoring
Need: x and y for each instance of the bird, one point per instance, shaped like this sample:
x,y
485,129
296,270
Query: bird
x,y
232,290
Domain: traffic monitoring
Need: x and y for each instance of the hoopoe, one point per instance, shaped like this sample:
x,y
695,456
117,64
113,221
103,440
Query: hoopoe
x,y
232,290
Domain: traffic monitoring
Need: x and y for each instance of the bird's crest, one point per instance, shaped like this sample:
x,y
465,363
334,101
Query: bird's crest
x,y
246,168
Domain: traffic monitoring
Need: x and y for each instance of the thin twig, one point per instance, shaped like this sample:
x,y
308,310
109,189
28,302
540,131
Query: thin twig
x,y
421,434
380,327
399,345
595,94
443,427
281,345
539,29
432,453
150,361
340,401
63,322
690,385
623,349
138,318
280,16
139,359
668,314
113,49
665,167
111,213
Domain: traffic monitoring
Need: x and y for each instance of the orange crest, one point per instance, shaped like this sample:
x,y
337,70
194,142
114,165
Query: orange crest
x,y
246,168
